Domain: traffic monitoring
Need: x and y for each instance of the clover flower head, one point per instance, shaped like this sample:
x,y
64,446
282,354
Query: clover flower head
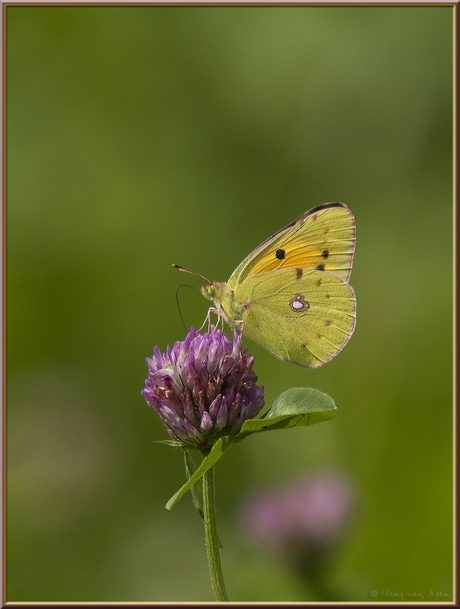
x,y
203,388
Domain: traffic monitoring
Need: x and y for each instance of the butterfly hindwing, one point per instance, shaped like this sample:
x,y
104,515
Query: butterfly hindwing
x,y
305,317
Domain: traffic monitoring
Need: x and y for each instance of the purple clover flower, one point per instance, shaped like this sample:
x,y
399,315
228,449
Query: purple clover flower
x,y
203,388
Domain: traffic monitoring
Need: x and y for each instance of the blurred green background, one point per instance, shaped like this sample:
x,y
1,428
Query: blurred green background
x,y
142,136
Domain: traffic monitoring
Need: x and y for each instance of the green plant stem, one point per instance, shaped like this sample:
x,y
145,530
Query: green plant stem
x,y
211,538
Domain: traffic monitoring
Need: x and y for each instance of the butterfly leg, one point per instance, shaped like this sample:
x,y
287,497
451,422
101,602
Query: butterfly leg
x,y
207,319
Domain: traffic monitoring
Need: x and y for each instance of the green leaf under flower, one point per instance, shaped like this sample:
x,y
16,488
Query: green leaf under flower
x,y
216,453
296,407
197,488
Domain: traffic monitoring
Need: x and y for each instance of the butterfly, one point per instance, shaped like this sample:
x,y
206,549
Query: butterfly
x,y
291,294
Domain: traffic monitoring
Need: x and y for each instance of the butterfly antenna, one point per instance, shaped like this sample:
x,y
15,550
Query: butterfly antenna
x,y
184,285
181,268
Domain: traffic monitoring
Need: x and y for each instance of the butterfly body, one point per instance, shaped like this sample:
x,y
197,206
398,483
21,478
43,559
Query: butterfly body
x,y
291,294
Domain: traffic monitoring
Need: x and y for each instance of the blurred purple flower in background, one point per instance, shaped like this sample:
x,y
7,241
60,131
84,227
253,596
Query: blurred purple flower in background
x,y
300,522
203,388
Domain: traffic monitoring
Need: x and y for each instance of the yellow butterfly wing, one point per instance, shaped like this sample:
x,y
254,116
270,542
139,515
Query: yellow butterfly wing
x,y
322,238
305,317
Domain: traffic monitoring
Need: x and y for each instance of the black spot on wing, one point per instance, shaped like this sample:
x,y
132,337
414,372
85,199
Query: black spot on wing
x,y
280,254
320,267
325,254
298,274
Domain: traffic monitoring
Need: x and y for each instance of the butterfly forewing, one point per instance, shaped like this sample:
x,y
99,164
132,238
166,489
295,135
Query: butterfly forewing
x,y
323,238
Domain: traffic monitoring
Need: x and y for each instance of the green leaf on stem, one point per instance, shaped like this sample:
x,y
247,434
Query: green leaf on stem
x,y
197,488
216,453
295,407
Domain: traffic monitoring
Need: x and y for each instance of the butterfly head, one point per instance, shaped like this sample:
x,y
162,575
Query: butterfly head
x,y
211,291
